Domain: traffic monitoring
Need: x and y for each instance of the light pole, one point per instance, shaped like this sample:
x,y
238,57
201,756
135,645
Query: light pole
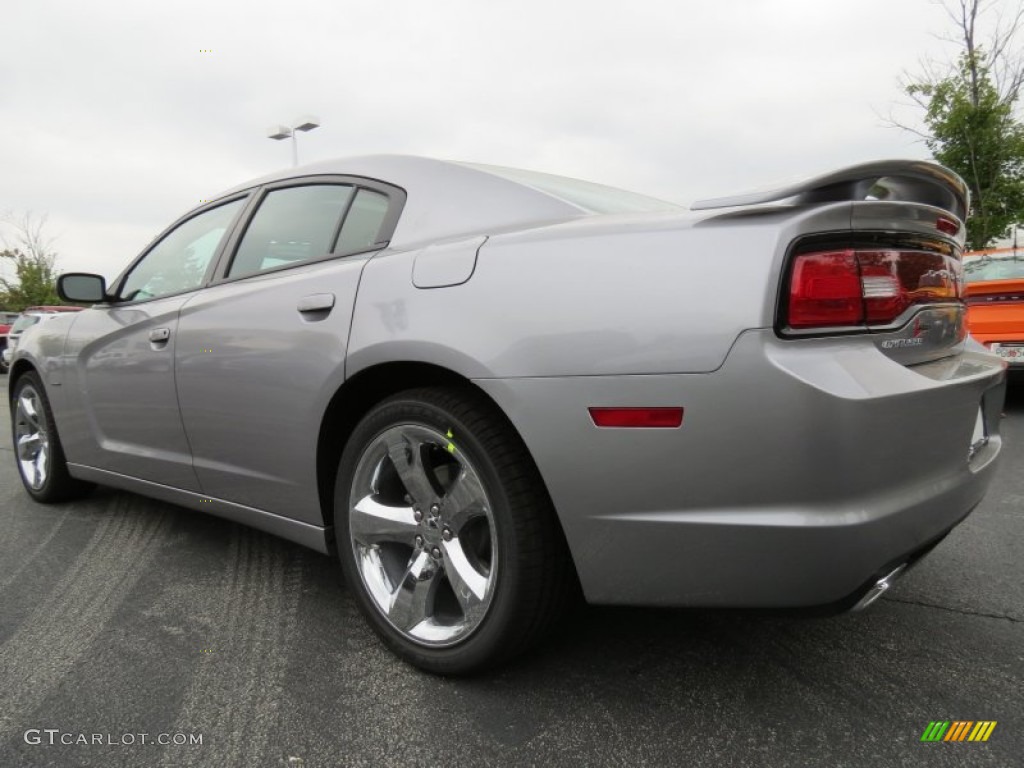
x,y
278,132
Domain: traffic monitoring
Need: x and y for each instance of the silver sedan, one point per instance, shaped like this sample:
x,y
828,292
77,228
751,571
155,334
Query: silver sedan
x,y
491,390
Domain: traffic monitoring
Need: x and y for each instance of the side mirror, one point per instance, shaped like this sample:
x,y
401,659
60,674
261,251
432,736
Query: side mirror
x,y
82,287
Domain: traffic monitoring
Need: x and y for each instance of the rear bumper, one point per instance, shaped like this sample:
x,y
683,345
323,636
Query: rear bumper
x,y
803,470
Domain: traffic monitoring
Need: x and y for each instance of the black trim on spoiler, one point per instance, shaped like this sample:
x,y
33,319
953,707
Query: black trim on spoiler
x,y
888,180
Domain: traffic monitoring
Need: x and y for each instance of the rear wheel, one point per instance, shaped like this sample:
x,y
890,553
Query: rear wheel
x,y
446,533
37,448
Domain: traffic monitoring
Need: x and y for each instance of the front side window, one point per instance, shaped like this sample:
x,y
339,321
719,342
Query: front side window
x,y
292,225
179,261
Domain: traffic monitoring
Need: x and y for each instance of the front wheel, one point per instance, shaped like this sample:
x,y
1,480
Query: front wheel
x,y
446,533
37,448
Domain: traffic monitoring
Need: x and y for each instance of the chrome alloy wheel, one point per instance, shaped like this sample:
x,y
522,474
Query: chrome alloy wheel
x,y
423,535
32,438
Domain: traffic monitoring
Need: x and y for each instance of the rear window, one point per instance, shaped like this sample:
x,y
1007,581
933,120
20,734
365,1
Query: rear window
x,y
593,198
999,268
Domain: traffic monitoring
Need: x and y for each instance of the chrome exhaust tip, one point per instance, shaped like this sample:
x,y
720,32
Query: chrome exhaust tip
x,y
879,588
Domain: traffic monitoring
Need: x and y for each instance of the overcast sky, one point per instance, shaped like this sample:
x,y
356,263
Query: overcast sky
x,y
117,116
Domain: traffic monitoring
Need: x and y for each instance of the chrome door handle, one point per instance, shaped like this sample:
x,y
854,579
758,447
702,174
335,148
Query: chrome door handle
x,y
316,302
159,334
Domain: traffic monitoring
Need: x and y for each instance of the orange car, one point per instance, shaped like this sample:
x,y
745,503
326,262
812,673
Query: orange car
x,y
995,301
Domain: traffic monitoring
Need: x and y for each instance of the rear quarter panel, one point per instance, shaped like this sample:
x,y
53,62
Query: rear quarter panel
x,y
611,295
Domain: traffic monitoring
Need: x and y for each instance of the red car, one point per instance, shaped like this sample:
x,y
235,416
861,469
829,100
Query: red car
x,y
26,319
6,320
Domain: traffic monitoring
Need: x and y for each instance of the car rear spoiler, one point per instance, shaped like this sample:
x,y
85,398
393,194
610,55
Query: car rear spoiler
x,y
890,180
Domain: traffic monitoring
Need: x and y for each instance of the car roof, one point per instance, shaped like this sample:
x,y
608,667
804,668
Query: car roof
x,y
445,199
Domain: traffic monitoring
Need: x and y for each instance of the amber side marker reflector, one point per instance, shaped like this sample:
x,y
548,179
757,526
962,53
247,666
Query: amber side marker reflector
x,y
667,418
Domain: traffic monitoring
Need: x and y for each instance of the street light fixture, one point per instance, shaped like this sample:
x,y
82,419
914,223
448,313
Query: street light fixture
x,y
279,132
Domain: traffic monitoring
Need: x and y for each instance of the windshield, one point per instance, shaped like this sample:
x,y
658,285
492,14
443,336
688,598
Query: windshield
x,y
593,198
994,268
25,321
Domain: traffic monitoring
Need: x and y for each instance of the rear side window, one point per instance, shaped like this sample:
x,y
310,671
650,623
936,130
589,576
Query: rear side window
x,y
361,230
292,225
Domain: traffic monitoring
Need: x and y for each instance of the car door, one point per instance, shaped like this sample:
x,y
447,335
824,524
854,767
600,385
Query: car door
x,y
121,387
261,351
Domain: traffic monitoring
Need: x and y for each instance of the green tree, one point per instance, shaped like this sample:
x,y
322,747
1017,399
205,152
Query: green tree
x,y
31,255
972,128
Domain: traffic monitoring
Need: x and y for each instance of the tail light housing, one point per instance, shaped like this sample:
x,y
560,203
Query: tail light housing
x,y
850,289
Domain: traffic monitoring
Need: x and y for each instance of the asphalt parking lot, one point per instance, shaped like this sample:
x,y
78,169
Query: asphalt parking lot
x,y
121,616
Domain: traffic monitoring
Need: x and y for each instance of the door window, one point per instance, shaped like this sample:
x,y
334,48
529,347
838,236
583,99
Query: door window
x,y
180,260
292,225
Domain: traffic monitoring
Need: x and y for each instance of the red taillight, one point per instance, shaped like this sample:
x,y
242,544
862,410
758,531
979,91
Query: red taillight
x,y
858,288
637,417
825,290
949,226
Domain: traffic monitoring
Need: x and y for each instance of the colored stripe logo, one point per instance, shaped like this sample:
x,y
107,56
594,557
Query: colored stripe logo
x,y
958,730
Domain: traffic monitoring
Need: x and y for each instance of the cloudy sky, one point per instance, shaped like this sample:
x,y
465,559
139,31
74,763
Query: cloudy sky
x,y
117,116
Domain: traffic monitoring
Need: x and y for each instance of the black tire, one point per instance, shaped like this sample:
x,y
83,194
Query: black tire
x,y
57,485
534,579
